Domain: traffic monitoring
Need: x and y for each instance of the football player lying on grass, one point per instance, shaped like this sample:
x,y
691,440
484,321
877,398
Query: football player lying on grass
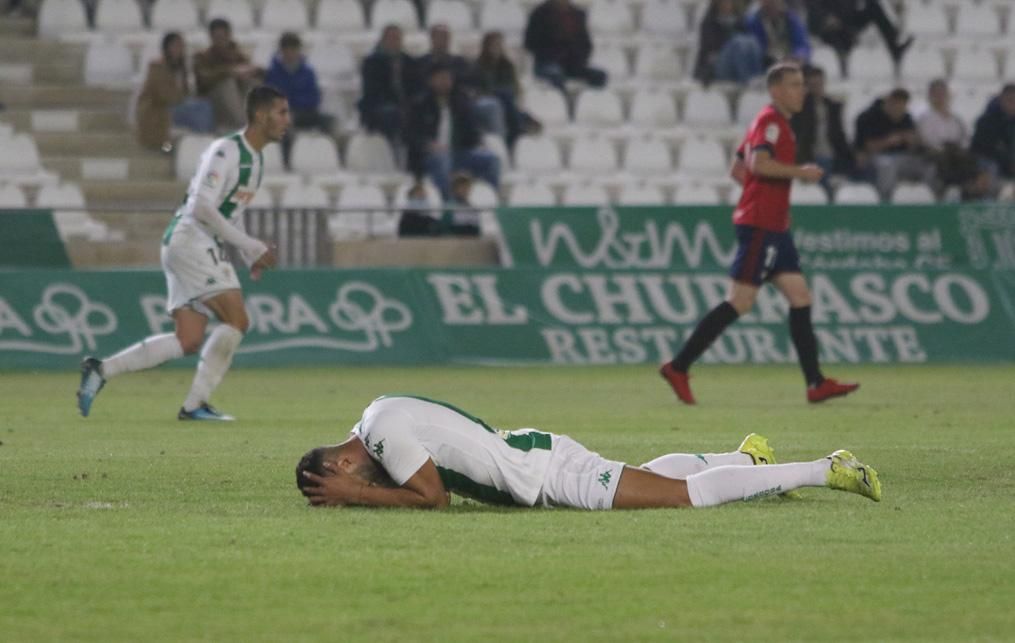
x,y
410,451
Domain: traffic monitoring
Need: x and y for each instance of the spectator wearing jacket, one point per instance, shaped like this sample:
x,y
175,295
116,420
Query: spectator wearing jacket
x,y
167,98
557,36
291,74
780,32
820,135
726,51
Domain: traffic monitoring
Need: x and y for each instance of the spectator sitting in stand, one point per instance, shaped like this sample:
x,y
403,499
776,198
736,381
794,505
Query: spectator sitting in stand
x,y
291,74
888,145
557,36
839,24
440,54
390,79
820,136
495,78
946,136
780,32
994,134
224,74
726,51
166,98
442,135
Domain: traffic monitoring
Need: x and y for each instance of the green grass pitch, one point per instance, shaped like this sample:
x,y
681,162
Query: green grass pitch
x,y
132,526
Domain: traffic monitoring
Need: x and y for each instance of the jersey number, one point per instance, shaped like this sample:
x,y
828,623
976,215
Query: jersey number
x,y
220,256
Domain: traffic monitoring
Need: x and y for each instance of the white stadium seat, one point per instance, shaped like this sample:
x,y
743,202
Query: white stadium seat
x,y
314,154
610,17
923,64
72,220
397,12
913,194
58,17
531,194
482,195
64,195
647,156
332,60
664,18
19,156
696,194
926,21
496,144
239,13
537,154
871,64
546,105
808,194
11,196
271,158
593,155
640,194
652,108
612,60
584,193
188,154
969,106
507,16
174,15
109,64
346,16
368,152
750,103
118,16
454,13
598,108
1009,59
975,64
708,107
284,15
263,198
304,196
350,223
658,62
978,20
702,156
856,194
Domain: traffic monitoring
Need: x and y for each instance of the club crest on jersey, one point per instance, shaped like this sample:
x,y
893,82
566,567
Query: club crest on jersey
x,y
211,179
772,133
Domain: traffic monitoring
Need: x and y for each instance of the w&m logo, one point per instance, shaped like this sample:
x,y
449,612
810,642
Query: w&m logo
x,y
604,478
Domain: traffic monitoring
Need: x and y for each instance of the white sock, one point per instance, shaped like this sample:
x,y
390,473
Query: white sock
x,y
726,484
147,353
681,465
216,356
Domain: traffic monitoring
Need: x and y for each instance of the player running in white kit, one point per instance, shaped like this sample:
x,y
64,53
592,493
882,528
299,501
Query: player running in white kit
x,y
200,279
409,451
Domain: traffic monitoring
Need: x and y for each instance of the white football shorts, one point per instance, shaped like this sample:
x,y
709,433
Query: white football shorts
x,y
579,478
195,270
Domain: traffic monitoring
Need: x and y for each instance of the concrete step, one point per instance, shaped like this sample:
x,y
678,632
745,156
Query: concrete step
x,y
70,72
122,254
17,26
98,120
63,96
86,143
139,168
30,49
167,194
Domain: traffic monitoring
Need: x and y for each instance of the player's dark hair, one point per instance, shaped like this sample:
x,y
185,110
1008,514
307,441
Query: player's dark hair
x,y
219,23
289,40
312,461
778,71
259,98
899,93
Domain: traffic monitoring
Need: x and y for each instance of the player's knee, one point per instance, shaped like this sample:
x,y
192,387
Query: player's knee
x,y
741,303
190,343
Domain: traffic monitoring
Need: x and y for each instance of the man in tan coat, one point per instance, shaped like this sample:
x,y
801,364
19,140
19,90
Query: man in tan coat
x,y
167,98
225,75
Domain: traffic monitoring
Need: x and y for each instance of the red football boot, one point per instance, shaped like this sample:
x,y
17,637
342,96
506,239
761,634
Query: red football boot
x,y
828,389
679,382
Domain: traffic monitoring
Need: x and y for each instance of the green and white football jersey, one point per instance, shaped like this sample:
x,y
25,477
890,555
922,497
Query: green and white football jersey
x,y
474,460
228,176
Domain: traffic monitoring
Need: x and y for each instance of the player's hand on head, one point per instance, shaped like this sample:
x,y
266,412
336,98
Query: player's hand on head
x,y
334,488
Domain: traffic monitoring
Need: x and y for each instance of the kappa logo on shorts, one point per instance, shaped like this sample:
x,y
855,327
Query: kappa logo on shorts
x,y
379,450
605,477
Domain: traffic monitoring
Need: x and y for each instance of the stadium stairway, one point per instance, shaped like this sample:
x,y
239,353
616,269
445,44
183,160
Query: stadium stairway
x,y
83,135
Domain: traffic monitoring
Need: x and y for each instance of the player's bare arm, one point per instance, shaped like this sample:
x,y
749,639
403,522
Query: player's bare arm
x,y
424,490
762,164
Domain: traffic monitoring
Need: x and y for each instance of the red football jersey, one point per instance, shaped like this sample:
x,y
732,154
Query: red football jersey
x,y
764,202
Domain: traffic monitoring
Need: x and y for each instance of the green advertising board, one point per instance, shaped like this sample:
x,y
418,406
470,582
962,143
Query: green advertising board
x,y
890,285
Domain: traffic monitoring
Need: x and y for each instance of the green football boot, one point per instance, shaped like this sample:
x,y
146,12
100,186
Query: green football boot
x,y
846,473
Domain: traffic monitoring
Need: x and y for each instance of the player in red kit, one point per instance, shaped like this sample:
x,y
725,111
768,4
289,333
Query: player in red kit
x,y
765,166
